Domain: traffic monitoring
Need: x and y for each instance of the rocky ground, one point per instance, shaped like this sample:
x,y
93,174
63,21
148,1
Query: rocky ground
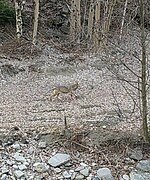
x,y
27,83
96,136
35,143
49,159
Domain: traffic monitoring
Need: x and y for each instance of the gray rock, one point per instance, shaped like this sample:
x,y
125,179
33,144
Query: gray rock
x,y
18,174
83,164
135,154
57,170
73,174
26,163
144,165
95,178
89,178
94,164
4,156
22,167
9,162
15,167
23,178
68,164
16,146
79,177
19,157
42,144
139,176
4,170
81,167
105,174
59,159
12,178
60,177
31,150
3,177
125,177
31,177
66,175
40,167
85,172
65,10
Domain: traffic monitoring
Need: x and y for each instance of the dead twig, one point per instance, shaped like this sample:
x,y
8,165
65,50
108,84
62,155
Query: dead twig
x,y
119,112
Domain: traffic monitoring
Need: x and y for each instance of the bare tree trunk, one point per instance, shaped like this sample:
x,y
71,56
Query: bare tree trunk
x,y
36,16
111,9
91,20
18,9
84,19
97,25
75,20
123,18
144,74
72,20
108,11
78,16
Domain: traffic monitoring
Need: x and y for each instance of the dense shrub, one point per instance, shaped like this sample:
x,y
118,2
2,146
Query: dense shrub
x,y
7,12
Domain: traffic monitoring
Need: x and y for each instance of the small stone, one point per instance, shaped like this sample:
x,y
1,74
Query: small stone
x,y
15,166
57,170
31,177
28,160
4,170
18,174
127,159
139,176
79,168
135,154
95,178
31,150
42,145
16,146
79,177
85,172
10,162
73,174
19,157
125,177
23,178
59,159
22,167
144,165
89,178
94,164
4,156
68,164
60,177
83,164
40,167
26,163
3,177
126,168
12,178
66,175
104,173
71,171
104,127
